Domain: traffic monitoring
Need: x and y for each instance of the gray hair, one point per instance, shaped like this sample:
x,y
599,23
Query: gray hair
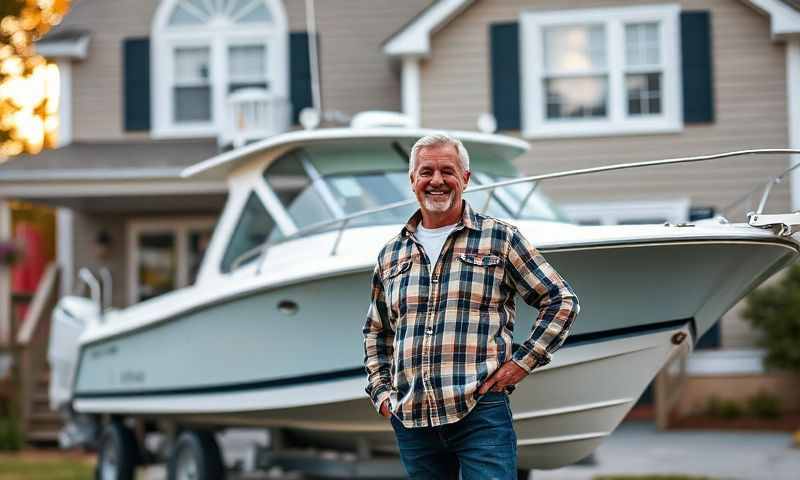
x,y
437,139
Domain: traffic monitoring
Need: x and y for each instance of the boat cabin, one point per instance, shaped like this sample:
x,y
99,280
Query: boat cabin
x,y
304,183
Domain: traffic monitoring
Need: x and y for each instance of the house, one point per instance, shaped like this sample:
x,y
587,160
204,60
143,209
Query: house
x,y
150,87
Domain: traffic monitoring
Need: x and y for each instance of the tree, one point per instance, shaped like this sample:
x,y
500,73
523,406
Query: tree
x,y
27,114
775,310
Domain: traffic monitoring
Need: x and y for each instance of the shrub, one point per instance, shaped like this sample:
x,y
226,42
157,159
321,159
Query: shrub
x,y
10,435
775,310
723,408
764,405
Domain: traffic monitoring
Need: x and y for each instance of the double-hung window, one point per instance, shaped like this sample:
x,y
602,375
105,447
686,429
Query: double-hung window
x,y
601,71
204,50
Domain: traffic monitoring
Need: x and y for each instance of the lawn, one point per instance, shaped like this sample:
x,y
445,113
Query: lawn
x,y
14,467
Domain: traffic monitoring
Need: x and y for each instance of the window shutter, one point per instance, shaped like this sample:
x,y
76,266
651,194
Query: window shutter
x,y
505,75
300,73
698,75
136,83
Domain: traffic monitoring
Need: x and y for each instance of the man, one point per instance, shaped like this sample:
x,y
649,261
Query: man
x,y
438,335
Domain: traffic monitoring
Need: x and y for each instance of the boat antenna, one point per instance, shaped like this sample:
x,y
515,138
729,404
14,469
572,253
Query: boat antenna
x,y
311,27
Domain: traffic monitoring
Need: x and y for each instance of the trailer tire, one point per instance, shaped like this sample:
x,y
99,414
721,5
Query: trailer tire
x,y
117,454
198,452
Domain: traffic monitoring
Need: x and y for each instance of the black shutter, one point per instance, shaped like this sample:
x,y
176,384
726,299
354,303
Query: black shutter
x,y
299,73
136,83
698,75
504,39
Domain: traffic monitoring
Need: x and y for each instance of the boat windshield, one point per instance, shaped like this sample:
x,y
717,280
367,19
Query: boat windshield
x,y
327,181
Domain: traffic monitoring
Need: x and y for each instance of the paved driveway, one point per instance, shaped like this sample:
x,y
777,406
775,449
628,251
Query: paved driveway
x,y
635,448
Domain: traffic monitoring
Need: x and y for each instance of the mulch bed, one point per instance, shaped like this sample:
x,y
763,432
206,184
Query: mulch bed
x,y
788,422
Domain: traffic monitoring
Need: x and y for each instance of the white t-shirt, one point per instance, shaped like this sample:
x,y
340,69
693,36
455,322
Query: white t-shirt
x,y
432,240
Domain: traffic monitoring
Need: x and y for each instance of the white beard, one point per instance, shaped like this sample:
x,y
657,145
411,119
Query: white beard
x,y
440,206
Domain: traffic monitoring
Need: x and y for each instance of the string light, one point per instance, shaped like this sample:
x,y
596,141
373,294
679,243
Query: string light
x,y
29,86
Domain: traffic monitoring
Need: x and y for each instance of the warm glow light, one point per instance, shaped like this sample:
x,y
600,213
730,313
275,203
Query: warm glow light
x,y
29,86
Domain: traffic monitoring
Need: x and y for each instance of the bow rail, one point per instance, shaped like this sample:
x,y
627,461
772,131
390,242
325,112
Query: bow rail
x,y
535,180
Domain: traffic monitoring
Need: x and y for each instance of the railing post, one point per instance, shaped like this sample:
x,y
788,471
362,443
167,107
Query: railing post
x,y
339,236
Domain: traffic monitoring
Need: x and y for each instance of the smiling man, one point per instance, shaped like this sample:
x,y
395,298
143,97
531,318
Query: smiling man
x,y
438,335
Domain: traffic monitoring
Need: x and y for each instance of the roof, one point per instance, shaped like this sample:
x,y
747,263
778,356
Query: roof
x,y
111,160
222,165
65,43
413,39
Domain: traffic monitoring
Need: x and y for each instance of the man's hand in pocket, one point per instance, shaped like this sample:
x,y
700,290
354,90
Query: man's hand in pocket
x,y
385,409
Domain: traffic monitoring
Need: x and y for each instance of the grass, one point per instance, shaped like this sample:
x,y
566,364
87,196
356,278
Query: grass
x,y
16,468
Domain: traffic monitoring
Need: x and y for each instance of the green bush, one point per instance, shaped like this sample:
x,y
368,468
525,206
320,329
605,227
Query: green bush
x,y
723,408
775,310
764,405
10,434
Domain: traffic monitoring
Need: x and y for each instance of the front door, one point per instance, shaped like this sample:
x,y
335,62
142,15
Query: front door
x,y
165,254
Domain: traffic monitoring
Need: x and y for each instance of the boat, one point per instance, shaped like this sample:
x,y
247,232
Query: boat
x,y
270,334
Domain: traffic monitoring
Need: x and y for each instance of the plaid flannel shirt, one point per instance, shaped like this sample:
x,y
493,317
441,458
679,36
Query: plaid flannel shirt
x,y
434,334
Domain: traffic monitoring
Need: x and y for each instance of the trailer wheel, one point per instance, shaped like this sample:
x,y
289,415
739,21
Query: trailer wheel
x,y
118,453
196,456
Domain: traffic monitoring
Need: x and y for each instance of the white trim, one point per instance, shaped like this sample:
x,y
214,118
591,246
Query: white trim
x,y
64,102
64,49
5,276
783,18
89,174
414,38
108,189
725,362
65,248
217,36
612,213
410,84
180,228
793,105
617,122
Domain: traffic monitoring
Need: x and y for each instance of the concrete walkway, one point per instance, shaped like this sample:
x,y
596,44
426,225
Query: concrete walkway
x,y
638,448
635,448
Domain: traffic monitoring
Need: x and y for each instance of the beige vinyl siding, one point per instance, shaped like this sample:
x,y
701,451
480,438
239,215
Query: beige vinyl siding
x,y
750,109
356,76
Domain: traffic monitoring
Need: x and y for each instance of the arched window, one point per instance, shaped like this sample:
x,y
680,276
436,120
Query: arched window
x,y
204,50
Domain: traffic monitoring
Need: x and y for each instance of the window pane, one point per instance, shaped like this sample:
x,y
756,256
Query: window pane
x,y
294,188
253,15
574,48
254,226
198,244
247,62
192,65
157,264
182,16
641,44
576,97
644,93
192,104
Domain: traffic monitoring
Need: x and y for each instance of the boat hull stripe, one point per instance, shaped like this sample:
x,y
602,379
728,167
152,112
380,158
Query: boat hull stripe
x,y
572,340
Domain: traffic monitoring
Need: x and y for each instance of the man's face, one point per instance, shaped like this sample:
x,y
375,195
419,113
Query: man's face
x,y
438,179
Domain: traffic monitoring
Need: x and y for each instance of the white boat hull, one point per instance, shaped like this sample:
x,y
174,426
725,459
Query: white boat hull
x,y
303,373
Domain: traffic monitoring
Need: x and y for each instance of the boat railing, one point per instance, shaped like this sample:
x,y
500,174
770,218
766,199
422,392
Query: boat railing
x,y
341,224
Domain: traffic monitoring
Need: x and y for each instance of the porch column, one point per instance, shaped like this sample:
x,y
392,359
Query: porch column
x,y
410,89
5,276
65,249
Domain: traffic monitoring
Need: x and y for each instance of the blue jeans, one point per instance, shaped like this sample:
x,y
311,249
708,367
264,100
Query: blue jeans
x,y
482,444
